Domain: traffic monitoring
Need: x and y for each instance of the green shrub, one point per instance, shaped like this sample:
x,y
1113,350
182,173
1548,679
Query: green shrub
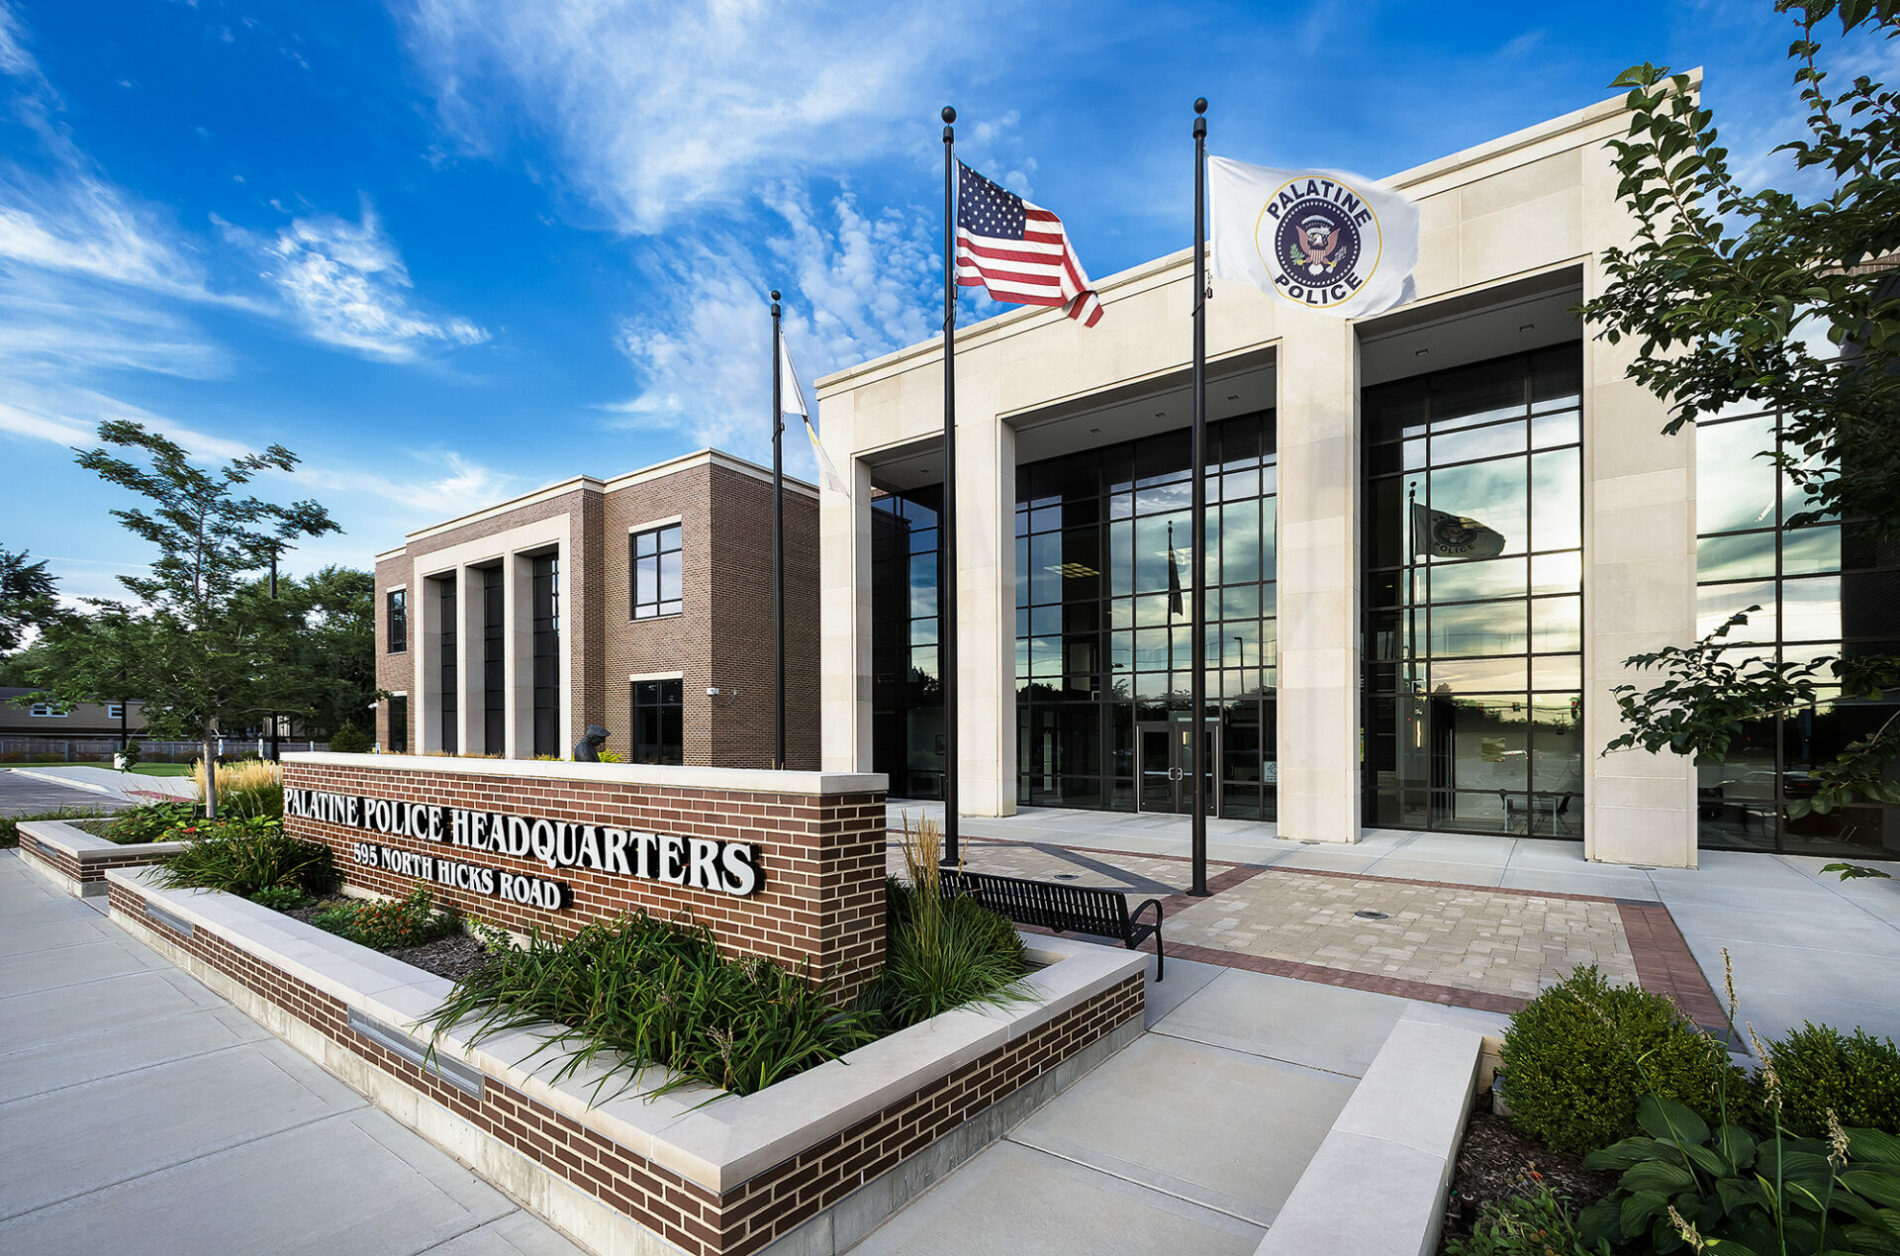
x,y
10,825
653,993
1580,1055
388,924
246,856
281,898
938,960
349,740
1820,1068
153,822
1542,1223
1735,1193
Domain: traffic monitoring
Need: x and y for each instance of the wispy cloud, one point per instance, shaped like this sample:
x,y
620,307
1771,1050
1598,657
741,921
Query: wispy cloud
x,y
856,285
654,109
346,285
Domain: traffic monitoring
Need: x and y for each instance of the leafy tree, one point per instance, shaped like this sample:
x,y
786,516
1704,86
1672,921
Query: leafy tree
x,y
192,645
319,635
1728,292
29,597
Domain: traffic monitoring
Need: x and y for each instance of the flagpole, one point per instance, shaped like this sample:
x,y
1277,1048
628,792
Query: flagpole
x,y
1197,688
778,546
947,520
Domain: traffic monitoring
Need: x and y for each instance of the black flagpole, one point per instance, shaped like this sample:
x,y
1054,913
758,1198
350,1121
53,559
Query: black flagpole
x,y
778,547
947,521
1197,688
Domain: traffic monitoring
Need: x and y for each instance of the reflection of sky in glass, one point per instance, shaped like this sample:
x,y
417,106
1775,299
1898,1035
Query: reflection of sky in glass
x,y
1715,603
1811,609
1738,556
1493,493
1735,489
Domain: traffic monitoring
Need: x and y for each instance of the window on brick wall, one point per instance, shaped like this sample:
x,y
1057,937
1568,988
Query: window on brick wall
x,y
659,721
657,580
399,724
398,620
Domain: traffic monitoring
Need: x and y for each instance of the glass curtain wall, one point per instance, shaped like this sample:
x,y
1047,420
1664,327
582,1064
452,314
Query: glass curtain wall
x,y
547,654
906,680
1473,593
1829,589
445,600
494,665
1104,578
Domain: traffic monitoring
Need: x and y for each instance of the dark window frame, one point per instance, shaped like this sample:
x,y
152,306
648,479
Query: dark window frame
x,y
396,617
659,721
657,543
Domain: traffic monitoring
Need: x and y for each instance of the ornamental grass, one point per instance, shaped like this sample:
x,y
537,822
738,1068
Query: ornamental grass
x,y
251,787
637,991
245,857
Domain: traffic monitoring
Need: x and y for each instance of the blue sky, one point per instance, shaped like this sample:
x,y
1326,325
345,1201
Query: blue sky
x,y
450,250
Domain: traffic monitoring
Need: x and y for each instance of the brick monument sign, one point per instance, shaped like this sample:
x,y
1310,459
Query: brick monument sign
x,y
787,865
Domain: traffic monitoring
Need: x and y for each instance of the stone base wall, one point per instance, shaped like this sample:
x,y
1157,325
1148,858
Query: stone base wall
x,y
491,1121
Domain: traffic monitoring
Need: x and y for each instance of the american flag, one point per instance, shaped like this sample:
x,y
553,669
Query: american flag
x,y
1017,250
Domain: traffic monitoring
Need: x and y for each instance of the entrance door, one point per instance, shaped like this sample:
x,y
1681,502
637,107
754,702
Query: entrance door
x,y
1166,758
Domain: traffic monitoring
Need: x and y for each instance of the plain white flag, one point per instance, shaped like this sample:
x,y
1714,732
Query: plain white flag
x,y
1327,240
794,403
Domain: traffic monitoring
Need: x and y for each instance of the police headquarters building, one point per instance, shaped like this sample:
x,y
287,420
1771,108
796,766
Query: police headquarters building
x,y
1434,535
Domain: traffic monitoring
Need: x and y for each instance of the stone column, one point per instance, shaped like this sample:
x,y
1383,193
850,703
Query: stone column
x,y
1318,574
1638,595
986,607
844,603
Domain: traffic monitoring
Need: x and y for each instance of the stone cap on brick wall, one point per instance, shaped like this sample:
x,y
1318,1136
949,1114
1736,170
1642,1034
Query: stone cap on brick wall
x,y
82,846
743,780
716,1139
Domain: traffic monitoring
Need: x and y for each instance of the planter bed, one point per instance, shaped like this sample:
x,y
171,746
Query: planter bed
x,y
77,861
809,1165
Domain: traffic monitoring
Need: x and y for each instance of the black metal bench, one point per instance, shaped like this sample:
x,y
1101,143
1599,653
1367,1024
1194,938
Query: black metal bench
x,y
1061,908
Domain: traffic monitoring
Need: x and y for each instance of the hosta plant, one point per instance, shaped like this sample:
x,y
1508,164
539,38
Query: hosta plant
x,y
1687,1186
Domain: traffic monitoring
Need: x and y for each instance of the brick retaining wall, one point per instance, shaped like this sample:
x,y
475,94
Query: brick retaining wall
x,y
736,1221
78,861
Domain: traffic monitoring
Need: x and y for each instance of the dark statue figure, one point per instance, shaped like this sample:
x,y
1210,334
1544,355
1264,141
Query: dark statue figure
x,y
587,749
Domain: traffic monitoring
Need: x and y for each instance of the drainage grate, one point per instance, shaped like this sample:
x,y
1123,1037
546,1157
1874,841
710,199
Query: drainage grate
x,y
454,1072
1369,914
1068,876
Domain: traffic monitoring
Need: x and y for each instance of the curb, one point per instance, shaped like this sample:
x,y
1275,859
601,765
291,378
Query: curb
x,y
67,781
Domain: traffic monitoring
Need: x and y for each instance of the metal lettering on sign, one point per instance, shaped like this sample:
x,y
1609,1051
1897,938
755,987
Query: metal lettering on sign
x,y
698,863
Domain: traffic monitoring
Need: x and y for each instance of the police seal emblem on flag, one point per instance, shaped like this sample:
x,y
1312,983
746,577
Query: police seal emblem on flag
x,y
1331,241
1320,240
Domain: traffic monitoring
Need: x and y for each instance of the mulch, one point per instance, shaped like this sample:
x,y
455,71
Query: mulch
x,y
1497,1160
454,957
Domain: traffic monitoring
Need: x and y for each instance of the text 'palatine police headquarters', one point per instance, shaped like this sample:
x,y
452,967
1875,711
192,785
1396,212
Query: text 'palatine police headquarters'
x,y
696,862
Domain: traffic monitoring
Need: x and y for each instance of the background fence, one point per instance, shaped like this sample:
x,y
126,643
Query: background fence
x,y
151,750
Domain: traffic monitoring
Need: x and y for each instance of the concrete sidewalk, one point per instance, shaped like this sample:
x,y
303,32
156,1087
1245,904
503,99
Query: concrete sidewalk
x,y
141,1113
1189,1140
128,786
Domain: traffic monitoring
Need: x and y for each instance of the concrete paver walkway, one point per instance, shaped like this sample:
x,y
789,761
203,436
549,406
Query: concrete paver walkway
x,y
139,1112
1188,1140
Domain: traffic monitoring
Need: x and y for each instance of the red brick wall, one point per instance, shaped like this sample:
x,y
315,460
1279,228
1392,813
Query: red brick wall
x,y
94,867
743,730
821,858
703,1222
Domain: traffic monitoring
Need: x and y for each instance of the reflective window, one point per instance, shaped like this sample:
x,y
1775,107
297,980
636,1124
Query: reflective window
x,y
1105,584
657,580
547,655
399,724
1818,591
450,706
398,620
1474,616
659,721
906,687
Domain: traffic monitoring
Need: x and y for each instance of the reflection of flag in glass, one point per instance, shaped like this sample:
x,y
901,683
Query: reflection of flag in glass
x,y
1445,535
1174,579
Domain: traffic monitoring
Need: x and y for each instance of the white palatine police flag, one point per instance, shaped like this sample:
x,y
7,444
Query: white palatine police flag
x,y
1323,239
1444,535
794,403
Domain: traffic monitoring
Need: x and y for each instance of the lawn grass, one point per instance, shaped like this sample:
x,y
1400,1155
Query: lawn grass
x,y
163,769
